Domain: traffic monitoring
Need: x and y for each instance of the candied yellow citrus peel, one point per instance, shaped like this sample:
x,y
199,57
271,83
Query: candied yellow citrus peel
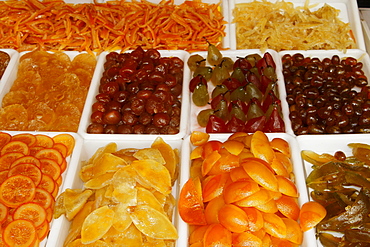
x,y
126,198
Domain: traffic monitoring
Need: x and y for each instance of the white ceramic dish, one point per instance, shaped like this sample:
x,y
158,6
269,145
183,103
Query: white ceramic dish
x,y
309,236
348,14
94,90
9,69
234,54
71,161
360,55
328,144
60,228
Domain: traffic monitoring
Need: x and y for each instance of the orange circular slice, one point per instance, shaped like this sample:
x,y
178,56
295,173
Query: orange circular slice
x,y
26,169
27,138
17,190
7,160
43,198
12,236
4,138
51,168
26,159
50,153
67,140
32,212
15,146
44,141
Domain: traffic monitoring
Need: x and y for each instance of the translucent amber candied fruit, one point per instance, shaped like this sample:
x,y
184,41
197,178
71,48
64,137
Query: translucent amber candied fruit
x,y
49,92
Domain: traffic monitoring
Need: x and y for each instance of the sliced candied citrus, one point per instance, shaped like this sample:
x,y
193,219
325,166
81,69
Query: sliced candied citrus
x,y
107,163
98,182
42,231
32,212
145,197
274,225
209,161
154,173
28,170
74,200
130,237
34,150
315,158
20,233
3,175
4,138
15,146
50,167
261,174
85,61
169,155
198,138
63,150
310,215
50,153
78,243
190,204
96,224
122,219
233,218
294,232
42,112
280,145
13,117
27,138
16,97
214,186
30,159
66,139
43,198
246,239
44,141
152,223
17,190
260,197
212,208
7,159
261,148
47,183
217,235
4,210
238,190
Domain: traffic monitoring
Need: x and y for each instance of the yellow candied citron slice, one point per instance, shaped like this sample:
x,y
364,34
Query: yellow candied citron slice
x,y
74,231
100,181
145,197
131,237
261,148
155,174
78,243
170,156
150,153
107,163
122,219
124,184
96,224
85,61
109,148
86,172
13,117
74,201
152,223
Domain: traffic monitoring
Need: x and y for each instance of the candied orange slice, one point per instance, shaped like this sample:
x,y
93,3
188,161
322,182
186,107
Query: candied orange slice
x,y
261,148
47,183
66,139
152,223
4,210
209,161
155,174
42,231
50,153
51,168
42,112
169,155
14,117
213,186
274,225
190,204
11,235
234,147
44,141
261,174
26,169
4,138
212,208
238,190
27,138
3,175
7,160
26,159
294,232
96,224
287,187
310,215
246,239
198,138
17,190
280,145
63,150
15,146
233,218
217,235
43,198
32,212
288,206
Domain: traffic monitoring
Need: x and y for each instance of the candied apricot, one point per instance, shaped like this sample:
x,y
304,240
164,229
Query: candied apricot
x,y
255,219
212,208
233,218
260,197
310,215
217,235
287,187
261,174
261,148
214,186
294,233
239,190
234,147
274,225
288,206
198,138
209,161
280,145
246,239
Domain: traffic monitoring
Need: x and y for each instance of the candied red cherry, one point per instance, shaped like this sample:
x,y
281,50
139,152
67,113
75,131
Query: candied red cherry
x,y
95,128
112,117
